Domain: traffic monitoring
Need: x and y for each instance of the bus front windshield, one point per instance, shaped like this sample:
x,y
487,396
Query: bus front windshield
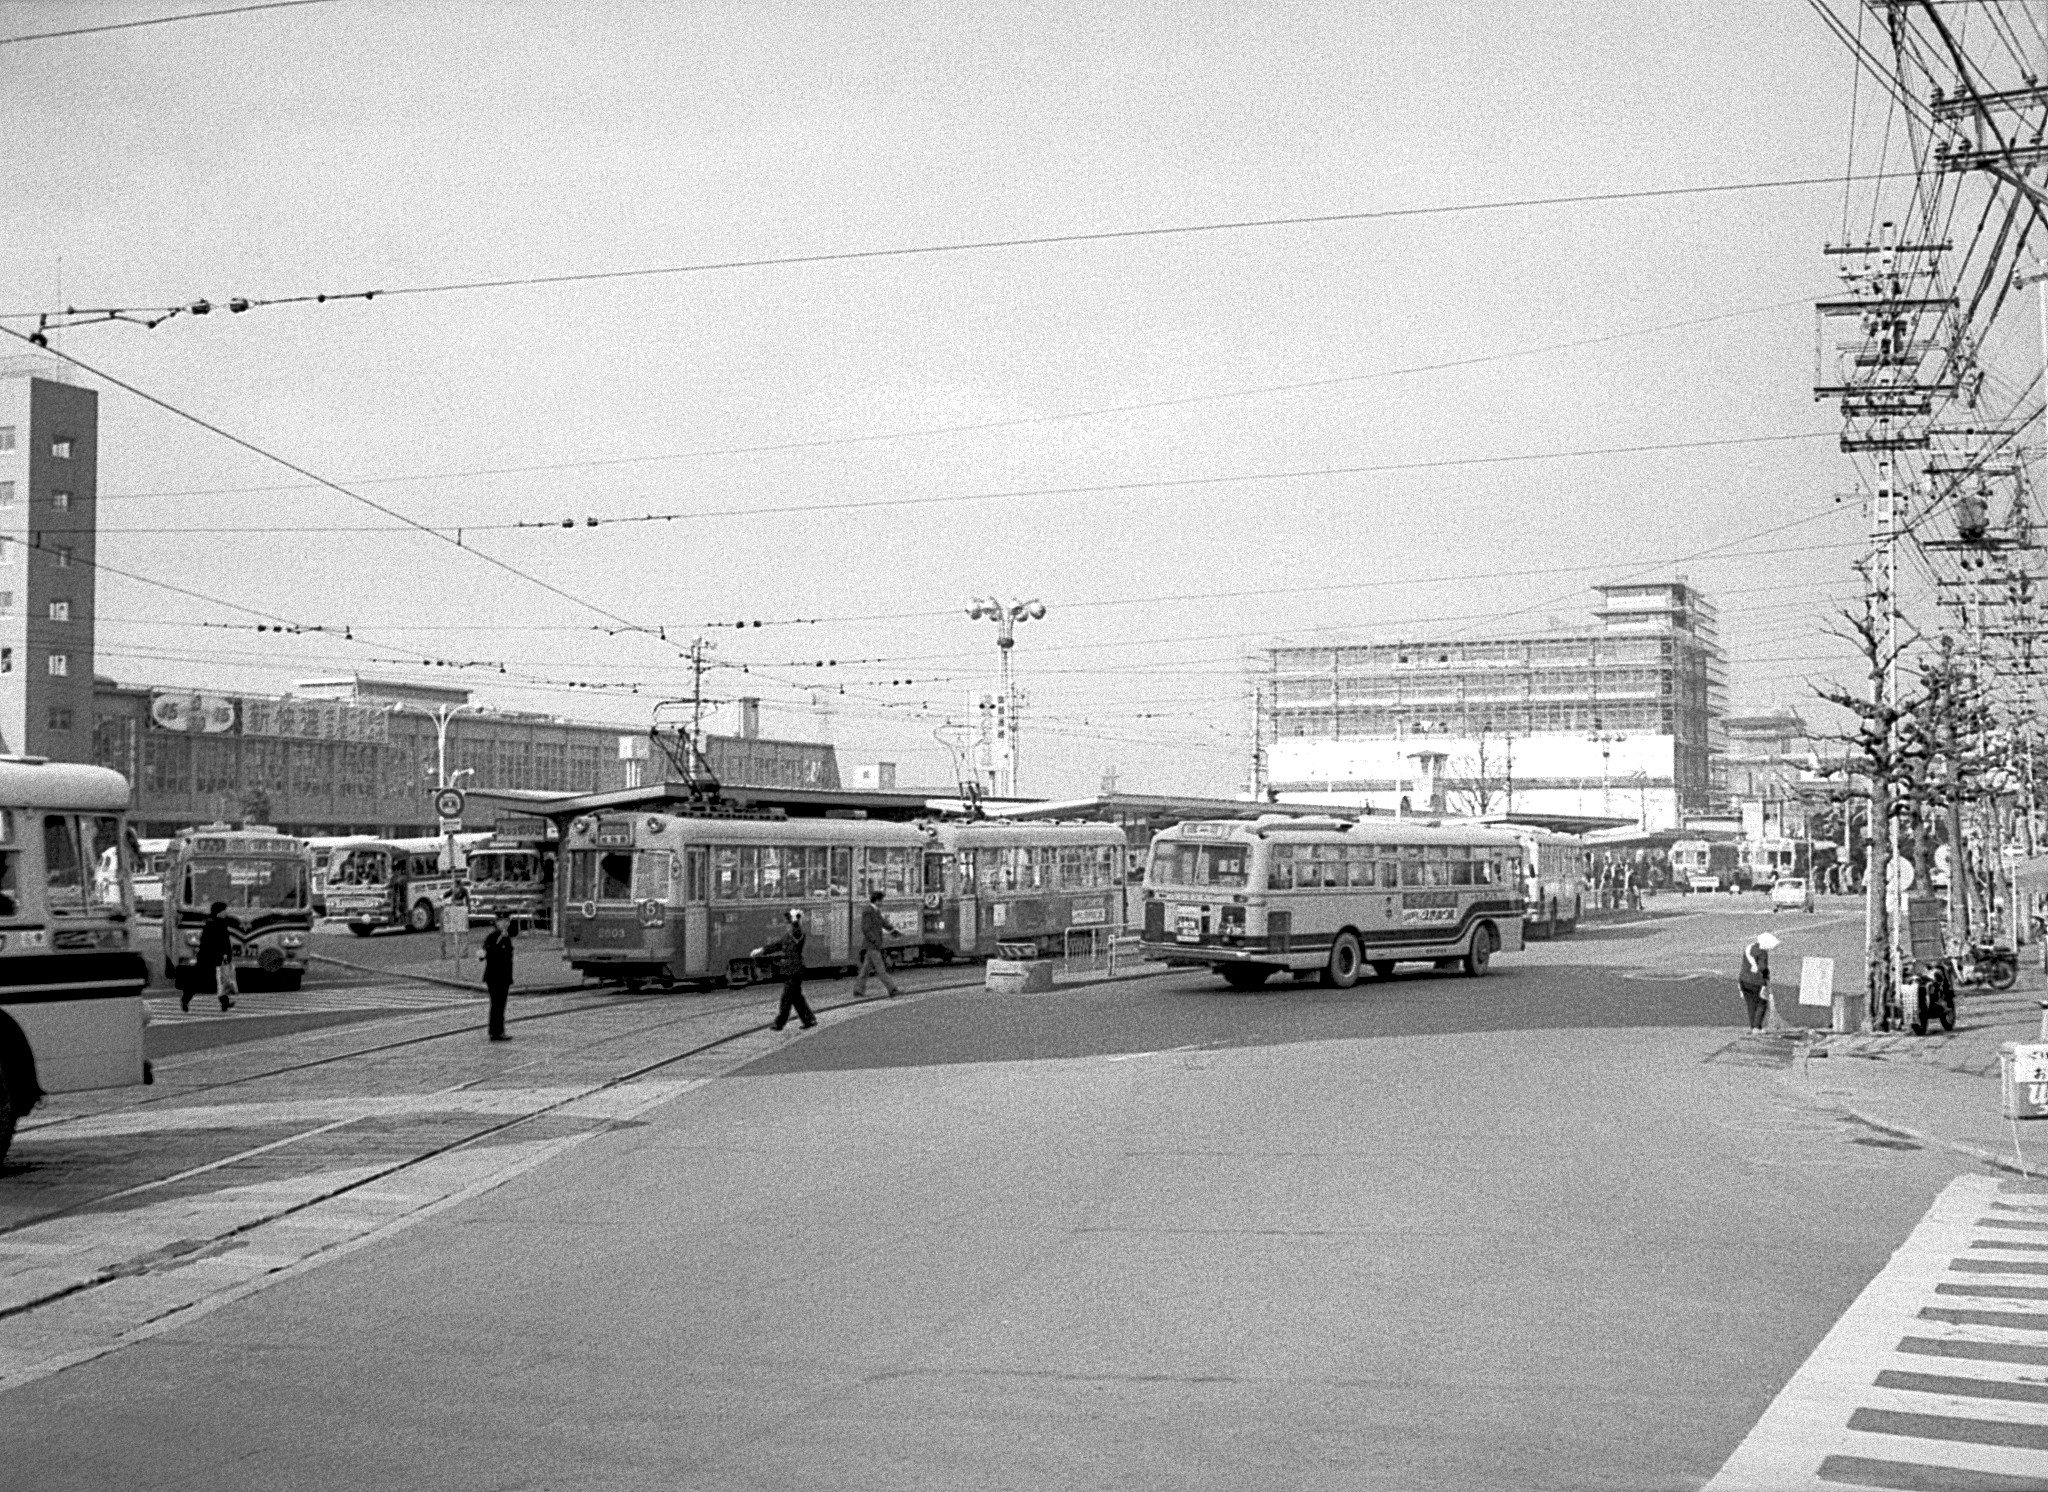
x,y
360,868
1179,863
253,884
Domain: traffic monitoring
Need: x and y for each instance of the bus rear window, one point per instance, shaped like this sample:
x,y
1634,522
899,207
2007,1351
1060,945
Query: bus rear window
x,y
1179,864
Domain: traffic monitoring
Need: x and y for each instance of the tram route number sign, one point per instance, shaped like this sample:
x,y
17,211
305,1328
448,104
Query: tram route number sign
x,y
449,802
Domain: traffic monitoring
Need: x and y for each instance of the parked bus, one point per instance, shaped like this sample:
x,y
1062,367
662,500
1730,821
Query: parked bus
x,y
989,882
71,975
1553,877
667,897
265,878
395,882
324,847
1252,899
1705,865
509,875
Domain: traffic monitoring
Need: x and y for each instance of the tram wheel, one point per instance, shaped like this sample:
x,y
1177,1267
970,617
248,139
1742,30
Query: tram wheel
x,y
1246,976
1481,954
1346,959
421,917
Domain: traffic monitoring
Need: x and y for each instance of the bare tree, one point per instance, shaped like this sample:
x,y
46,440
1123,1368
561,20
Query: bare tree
x,y
1484,784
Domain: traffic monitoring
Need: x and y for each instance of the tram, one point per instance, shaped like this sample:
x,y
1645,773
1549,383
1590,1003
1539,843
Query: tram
x,y
395,882
989,882
265,878
1252,899
511,875
681,897
71,975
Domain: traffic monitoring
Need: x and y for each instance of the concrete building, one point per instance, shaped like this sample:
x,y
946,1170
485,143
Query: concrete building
x,y
1621,719
49,486
1774,773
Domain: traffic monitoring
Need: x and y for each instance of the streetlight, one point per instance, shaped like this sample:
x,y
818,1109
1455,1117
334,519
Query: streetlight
x,y
440,715
1007,616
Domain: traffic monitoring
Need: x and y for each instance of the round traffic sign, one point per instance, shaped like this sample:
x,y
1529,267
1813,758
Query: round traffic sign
x,y
448,802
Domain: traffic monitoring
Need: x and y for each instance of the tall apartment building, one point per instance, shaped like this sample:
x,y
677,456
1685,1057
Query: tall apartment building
x,y
1621,719
49,464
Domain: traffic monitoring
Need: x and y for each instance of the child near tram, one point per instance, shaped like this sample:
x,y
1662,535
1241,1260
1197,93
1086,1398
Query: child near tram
x,y
215,956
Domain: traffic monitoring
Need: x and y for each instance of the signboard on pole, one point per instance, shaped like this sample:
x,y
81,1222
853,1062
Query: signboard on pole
x,y
1817,982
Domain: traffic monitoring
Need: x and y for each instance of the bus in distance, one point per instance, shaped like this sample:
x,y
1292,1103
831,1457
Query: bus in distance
x,y
1306,895
512,877
404,883
266,880
71,975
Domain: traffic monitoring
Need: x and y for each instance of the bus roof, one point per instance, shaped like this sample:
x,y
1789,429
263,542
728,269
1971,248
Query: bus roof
x,y
28,783
1360,831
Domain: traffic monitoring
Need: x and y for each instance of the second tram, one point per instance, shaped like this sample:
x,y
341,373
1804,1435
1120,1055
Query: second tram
x,y
989,882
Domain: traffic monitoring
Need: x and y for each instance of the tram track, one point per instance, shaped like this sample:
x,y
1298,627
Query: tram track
x,y
226,1238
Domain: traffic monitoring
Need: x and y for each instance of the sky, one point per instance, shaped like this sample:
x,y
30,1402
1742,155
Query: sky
x,y
1186,445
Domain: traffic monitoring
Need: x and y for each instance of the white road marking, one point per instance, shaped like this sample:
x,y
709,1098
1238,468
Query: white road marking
x,y
1867,1408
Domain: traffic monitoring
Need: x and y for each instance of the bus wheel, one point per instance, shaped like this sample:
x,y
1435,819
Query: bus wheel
x,y
1246,976
421,918
1346,959
1383,967
1481,955
361,929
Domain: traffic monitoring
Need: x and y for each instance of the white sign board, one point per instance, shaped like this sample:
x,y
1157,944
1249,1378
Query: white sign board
x,y
2030,1062
1817,982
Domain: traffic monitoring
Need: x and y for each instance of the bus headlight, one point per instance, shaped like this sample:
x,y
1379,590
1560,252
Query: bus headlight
x,y
191,940
293,940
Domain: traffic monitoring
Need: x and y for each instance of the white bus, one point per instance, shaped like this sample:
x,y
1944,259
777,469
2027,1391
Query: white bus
x,y
323,847
1553,879
1254,898
71,977
265,879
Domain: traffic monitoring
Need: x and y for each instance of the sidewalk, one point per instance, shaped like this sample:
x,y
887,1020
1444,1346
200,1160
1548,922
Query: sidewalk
x,y
1938,1089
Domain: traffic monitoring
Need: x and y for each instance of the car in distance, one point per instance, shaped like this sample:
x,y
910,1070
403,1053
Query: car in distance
x,y
1790,893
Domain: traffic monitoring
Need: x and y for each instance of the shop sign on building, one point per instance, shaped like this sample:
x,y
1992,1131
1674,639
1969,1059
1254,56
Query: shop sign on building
x,y
316,720
207,714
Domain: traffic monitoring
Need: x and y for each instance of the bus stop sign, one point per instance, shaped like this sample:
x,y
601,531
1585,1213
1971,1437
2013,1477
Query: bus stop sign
x,y
448,802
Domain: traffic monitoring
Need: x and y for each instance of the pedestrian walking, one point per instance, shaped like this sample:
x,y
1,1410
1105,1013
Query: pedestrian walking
x,y
216,958
1755,979
789,948
497,957
874,936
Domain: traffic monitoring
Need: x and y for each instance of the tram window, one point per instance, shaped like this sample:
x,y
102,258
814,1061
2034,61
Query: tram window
x,y
65,876
615,876
817,871
770,886
693,873
935,868
650,875
581,862
749,888
898,872
842,871
725,874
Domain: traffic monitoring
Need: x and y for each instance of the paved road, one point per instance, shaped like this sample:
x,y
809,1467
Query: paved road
x,y
1554,1228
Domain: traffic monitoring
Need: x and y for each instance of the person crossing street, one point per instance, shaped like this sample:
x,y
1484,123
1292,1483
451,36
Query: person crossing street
x,y
874,938
789,949
215,958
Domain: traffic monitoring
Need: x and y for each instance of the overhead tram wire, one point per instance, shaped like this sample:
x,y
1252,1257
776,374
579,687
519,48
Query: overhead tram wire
x,y
190,15
965,246
313,476
980,426
1090,489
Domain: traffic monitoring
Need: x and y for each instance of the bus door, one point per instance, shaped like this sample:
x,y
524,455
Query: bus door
x,y
696,950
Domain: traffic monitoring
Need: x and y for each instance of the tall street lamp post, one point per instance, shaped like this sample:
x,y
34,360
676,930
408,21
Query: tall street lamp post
x,y
1007,616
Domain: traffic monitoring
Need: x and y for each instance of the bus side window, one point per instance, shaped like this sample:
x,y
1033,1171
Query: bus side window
x,y
63,874
9,907
1280,871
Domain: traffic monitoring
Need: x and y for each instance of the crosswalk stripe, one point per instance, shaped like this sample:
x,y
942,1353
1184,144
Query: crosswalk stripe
x,y
1936,1377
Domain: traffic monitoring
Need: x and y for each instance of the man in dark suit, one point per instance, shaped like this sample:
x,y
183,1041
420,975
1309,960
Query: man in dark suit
x,y
215,957
790,950
497,957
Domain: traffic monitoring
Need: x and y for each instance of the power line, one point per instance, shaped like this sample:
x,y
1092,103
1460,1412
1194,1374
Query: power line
x,y
190,15
964,246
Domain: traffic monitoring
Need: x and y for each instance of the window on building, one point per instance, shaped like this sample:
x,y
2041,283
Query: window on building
x,y
6,660
6,494
6,551
63,558
60,611
6,601
60,665
61,501
60,447
6,437
60,719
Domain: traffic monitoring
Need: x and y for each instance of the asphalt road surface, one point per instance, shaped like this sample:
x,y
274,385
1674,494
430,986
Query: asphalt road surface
x,y
1553,1228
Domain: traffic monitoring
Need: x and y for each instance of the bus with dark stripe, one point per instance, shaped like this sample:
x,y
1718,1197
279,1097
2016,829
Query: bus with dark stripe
x,y
1333,897
71,975
266,878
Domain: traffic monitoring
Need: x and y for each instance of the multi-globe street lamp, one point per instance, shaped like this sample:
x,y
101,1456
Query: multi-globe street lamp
x,y
999,747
